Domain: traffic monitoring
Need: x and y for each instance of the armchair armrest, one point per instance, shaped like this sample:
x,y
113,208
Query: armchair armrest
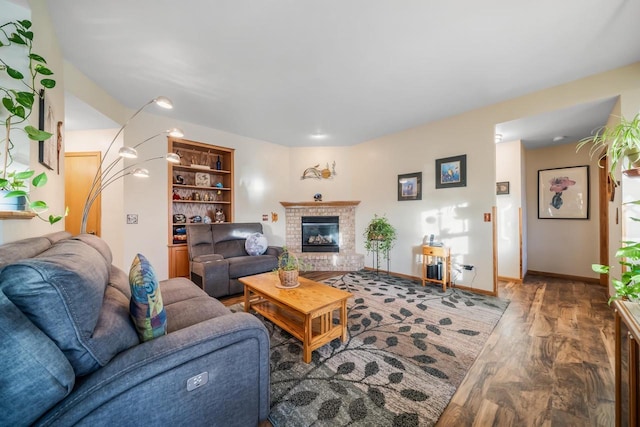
x,y
213,373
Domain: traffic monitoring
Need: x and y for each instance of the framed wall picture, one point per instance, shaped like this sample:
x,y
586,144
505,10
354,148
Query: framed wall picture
x,y
47,149
502,187
563,193
451,172
410,186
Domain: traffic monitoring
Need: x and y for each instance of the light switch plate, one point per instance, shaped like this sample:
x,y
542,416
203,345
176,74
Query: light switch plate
x,y
132,218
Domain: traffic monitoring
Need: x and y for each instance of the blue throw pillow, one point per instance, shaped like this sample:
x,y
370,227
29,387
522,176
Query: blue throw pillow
x,y
145,307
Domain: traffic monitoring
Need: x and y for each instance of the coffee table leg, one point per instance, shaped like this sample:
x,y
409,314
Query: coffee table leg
x,y
306,345
247,293
343,320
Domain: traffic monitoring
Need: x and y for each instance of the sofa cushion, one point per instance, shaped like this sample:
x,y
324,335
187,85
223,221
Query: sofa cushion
x,y
146,307
35,373
62,292
186,304
248,265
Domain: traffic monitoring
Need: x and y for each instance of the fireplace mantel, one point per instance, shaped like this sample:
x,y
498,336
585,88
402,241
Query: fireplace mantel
x,y
338,203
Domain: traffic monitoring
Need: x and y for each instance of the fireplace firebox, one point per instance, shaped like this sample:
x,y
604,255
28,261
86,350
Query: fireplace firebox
x,y
320,234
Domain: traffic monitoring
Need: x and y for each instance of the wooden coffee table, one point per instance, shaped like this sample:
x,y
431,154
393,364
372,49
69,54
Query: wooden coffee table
x,y
306,312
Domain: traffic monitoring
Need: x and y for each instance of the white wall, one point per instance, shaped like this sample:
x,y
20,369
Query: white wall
x,y
563,246
112,203
508,168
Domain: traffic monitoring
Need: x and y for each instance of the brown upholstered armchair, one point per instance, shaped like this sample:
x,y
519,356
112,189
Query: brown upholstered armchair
x,y
217,256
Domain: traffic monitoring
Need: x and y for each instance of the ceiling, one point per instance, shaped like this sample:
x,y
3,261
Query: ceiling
x,y
349,70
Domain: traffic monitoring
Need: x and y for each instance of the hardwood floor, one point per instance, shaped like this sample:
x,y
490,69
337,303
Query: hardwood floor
x,y
548,362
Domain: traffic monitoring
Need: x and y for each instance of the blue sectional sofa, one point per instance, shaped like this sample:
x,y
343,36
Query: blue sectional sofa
x,y
70,354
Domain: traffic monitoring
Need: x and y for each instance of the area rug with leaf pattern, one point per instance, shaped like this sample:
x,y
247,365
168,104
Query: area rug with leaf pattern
x,y
408,348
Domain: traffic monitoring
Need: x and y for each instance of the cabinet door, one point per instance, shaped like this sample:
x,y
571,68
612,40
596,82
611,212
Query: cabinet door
x,y
178,261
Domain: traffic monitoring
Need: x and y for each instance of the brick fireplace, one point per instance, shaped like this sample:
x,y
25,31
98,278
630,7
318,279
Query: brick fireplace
x,y
346,259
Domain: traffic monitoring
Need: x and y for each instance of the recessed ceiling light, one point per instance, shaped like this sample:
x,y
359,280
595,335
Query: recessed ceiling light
x,y
319,135
559,138
498,137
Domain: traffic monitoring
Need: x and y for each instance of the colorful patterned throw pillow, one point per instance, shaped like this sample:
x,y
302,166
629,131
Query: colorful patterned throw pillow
x,y
146,307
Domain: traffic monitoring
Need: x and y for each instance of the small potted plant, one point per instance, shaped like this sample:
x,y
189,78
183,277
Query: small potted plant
x,y
379,236
628,286
289,267
19,93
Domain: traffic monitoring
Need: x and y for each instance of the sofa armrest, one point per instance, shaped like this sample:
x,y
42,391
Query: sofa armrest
x,y
211,275
274,250
152,383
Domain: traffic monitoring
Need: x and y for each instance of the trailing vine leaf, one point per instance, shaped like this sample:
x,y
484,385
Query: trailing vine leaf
x,y
435,372
370,369
355,316
338,388
366,322
346,368
423,358
445,350
445,321
329,409
370,339
376,317
415,395
303,398
392,341
421,306
468,332
357,410
434,329
404,328
420,345
448,304
285,366
418,335
396,377
394,362
376,396
405,312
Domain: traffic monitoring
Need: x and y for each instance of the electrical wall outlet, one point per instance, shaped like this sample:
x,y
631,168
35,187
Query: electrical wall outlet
x,y
132,218
467,266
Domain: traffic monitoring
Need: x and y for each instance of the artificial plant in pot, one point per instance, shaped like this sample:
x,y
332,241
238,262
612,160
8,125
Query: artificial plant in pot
x,y
19,92
615,143
379,236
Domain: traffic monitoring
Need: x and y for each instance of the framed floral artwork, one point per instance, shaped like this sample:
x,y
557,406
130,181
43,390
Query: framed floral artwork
x,y
563,193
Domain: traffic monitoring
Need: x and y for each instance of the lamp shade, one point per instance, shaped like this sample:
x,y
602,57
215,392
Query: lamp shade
x,y
141,173
128,152
164,102
173,158
175,132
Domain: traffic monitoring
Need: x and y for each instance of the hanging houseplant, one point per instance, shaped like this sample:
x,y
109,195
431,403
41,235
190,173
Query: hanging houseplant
x,y
18,98
616,143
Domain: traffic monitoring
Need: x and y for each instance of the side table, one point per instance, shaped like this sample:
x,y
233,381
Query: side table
x,y
436,253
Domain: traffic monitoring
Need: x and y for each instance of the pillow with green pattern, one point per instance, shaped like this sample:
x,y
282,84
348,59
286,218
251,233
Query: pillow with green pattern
x,y
145,307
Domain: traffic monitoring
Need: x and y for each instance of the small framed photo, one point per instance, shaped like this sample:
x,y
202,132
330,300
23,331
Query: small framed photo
x,y
451,172
502,187
410,186
563,193
203,179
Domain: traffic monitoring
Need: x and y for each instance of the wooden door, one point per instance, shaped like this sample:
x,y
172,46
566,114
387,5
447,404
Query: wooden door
x,y
80,169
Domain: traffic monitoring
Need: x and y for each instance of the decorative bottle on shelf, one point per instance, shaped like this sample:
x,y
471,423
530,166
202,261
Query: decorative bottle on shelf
x,y
219,164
